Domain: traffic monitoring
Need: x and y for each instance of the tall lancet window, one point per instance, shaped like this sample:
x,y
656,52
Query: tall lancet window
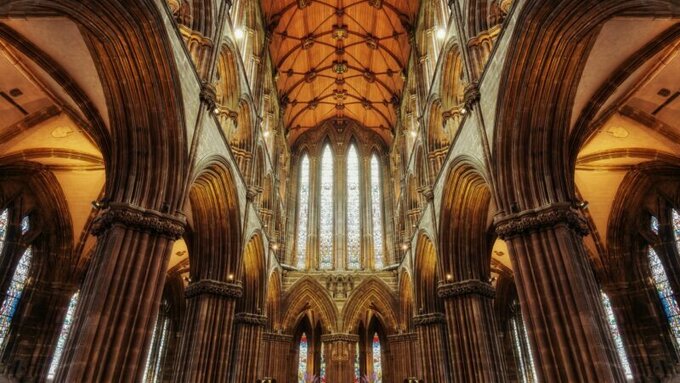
x,y
663,287
376,206
303,214
3,227
676,228
16,288
524,358
326,210
153,372
63,335
353,210
616,335
377,359
302,359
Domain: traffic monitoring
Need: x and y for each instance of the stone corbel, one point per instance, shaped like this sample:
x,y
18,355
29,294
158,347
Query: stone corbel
x,y
208,95
471,95
252,319
140,219
428,319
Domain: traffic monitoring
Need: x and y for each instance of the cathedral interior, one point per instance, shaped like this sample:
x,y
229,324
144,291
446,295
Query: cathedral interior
x,y
339,191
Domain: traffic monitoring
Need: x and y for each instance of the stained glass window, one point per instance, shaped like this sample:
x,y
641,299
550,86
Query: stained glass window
x,y
616,335
353,210
654,224
63,335
326,210
663,288
16,287
322,370
302,359
357,370
675,215
376,204
154,360
303,213
25,225
377,359
525,359
3,227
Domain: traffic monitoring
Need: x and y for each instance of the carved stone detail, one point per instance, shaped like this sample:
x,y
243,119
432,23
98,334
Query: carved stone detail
x,y
137,218
340,286
208,95
212,287
467,287
471,95
274,337
544,217
252,319
340,337
428,319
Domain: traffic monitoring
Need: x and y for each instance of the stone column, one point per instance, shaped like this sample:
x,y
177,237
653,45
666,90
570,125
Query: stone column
x,y
120,297
247,346
275,359
402,352
340,352
432,337
207,335
559,295
474,341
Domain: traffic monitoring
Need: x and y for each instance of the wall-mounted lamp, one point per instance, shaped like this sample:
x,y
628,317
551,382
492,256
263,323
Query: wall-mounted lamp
x,y
441,33
449,277
239,33
230,277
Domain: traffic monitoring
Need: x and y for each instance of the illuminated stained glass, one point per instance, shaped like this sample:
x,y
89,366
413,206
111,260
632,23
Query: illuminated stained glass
x,y
663,288
16,287
326,210
377,360
654,224
63,335
525,359
322,369
3,227
676,228
376,204
357,370
302,359
616,335
303,213
154,360
25,225
353,210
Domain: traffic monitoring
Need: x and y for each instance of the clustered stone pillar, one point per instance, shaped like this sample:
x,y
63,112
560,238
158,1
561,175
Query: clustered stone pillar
x,y
559,295
248,329
340,350
275,358
207,336
433,358
474,345
121,295
403,348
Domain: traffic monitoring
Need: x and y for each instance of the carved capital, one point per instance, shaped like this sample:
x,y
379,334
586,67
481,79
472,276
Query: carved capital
x,y
212,287
274,337
252,193
208,95
404,337
428,319
427,193
468,287
251,319
541,218
471,95
137,218
340,337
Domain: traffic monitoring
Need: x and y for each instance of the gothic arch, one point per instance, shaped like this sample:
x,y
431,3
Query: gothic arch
x,y
253,276
406,300
465,237
438,139
273,304
308,295
426,275
216,242
228,89
371,295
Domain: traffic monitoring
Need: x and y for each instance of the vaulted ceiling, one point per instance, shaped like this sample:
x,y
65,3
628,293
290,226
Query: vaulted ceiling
x,y
340,59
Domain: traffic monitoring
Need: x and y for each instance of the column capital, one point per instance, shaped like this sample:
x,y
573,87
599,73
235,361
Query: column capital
x,y
467,287
339,337
212,287
137,218
428,319
543,217
404,337
208,95
274,337
252,319
471,95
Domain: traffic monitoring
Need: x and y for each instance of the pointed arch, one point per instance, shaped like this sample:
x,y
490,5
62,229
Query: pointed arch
x,y
308,295
371,295
253,276
426,275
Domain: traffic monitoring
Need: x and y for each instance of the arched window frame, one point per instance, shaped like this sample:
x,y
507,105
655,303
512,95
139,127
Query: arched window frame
x,y
326,207
353,206
303,357
302,216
